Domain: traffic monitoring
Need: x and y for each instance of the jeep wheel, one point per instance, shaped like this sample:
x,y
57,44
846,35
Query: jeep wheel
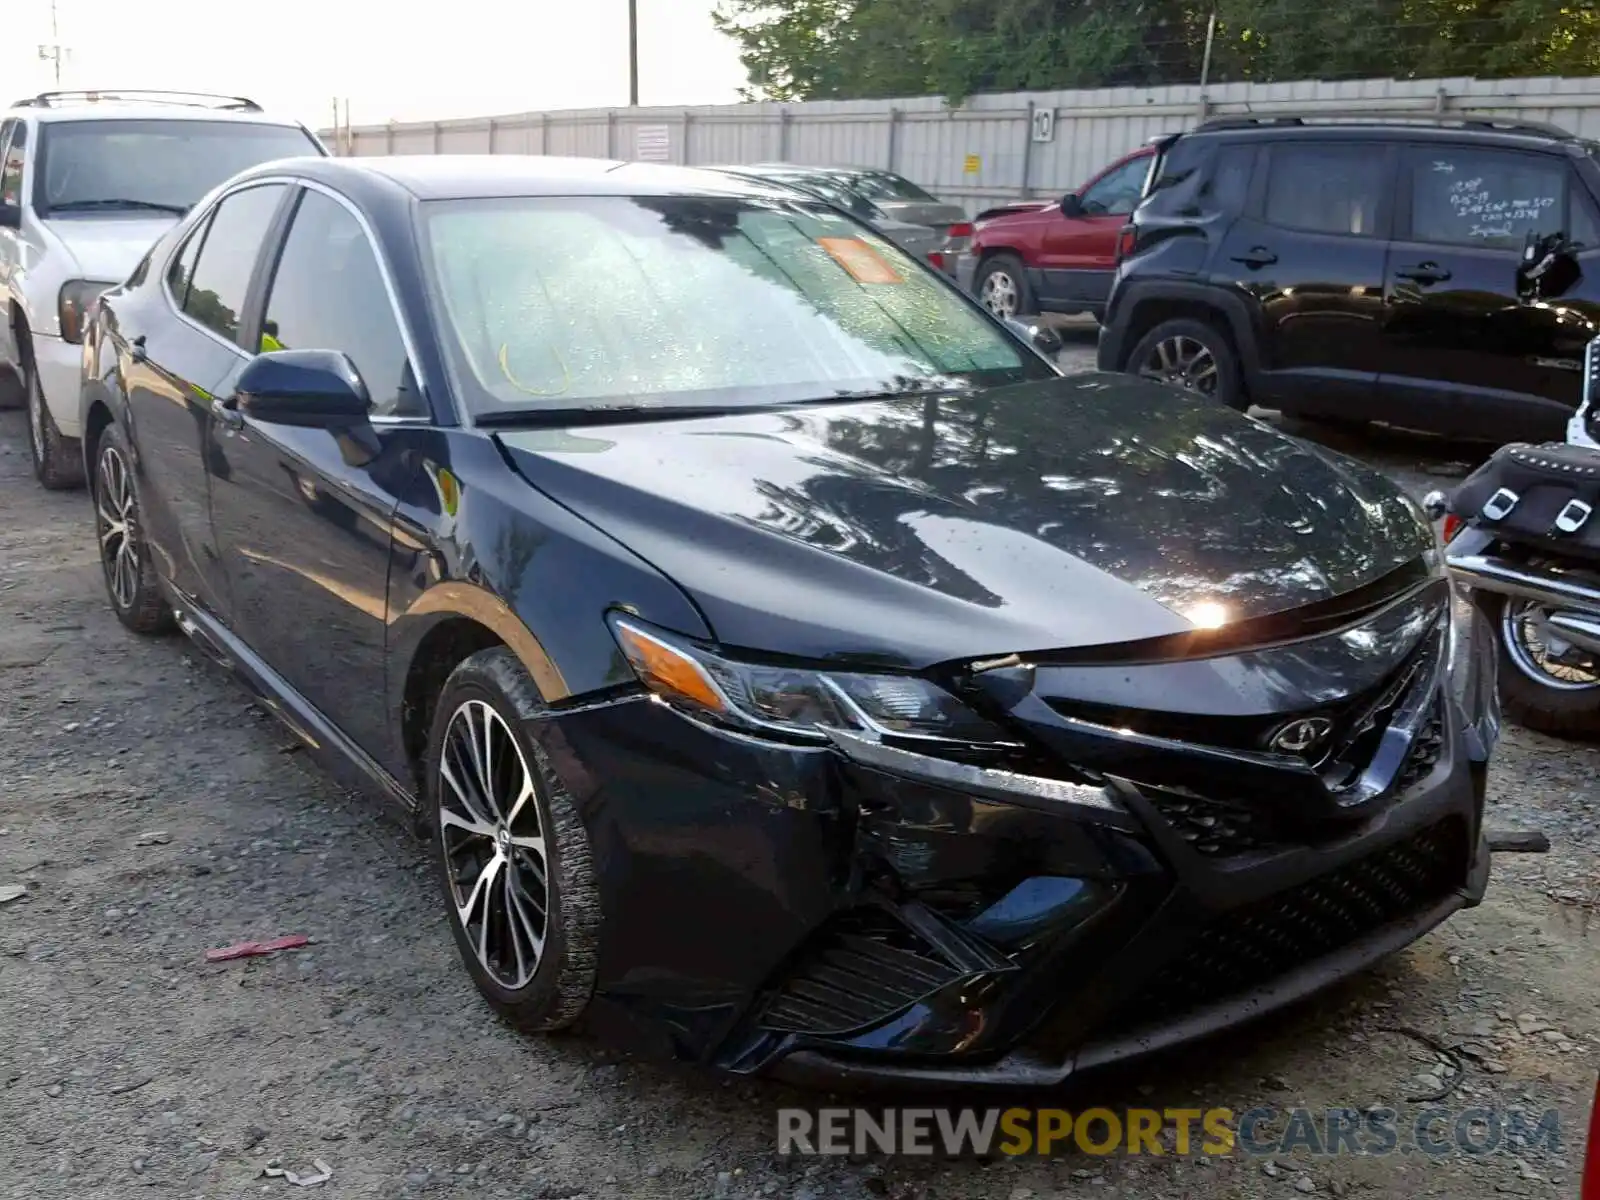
x,y
1192,355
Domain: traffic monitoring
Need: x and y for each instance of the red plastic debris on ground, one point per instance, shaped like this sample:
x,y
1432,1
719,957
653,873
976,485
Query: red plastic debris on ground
x,y
250,949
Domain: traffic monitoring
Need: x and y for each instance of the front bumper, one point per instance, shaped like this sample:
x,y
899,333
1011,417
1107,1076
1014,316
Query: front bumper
x,y
60,366
817,914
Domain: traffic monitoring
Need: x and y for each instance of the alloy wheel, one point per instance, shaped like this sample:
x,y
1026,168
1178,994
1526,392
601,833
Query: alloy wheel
x,y
1000,294
1185,362
116,522
1541,654
492,839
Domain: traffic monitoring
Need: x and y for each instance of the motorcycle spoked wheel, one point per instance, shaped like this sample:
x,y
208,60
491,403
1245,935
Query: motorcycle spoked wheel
x,y
1546,685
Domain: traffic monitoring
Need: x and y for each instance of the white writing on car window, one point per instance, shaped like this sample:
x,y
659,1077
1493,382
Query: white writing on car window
x,y
1493,217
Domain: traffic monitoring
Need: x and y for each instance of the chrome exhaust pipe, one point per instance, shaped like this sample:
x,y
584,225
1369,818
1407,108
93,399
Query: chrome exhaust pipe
x,y
1581,630
1553,589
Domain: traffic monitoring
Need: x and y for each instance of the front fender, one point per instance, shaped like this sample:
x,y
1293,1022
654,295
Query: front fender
x,y
473,541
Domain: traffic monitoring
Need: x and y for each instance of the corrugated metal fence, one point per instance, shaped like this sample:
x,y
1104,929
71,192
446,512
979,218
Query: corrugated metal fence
x,y
992,148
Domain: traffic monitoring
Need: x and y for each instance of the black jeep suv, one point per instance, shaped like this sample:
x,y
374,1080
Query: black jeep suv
x,y
1366,269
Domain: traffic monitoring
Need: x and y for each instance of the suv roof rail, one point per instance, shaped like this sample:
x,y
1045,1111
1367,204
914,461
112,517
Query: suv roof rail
x,y
1382,116
141,96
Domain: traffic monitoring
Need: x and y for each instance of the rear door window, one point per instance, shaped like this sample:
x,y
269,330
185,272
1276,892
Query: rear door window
x,y
1326,187
220,278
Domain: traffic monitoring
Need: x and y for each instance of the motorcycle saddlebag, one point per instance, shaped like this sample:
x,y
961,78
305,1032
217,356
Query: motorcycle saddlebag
x,y
1546,496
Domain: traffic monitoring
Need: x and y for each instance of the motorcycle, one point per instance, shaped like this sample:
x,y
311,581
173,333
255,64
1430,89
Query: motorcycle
x,y
1522,540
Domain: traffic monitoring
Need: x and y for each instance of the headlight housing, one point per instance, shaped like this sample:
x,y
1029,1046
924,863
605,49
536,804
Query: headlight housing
x,y
76,297
796,702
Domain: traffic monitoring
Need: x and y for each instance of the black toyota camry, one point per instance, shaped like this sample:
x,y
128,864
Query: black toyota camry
x,y
791,668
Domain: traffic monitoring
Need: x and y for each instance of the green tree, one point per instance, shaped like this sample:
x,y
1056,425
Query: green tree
x,y
854,49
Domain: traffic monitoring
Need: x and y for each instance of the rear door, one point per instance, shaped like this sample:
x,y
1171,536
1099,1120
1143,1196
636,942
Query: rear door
x,y
1078,255
1461,354
1310,250
183,360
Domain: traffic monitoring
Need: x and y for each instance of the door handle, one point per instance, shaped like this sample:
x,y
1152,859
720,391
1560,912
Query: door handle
x,y
1424,273
227,415
1256,256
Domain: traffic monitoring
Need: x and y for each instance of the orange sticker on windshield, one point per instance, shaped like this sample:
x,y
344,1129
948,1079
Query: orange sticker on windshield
x,y
864,263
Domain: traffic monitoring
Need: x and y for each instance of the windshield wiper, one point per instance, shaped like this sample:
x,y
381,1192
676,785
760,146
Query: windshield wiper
x,y
622,414
616,414
119,202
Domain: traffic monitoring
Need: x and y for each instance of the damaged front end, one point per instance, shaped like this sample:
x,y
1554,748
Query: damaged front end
x,y
1006,872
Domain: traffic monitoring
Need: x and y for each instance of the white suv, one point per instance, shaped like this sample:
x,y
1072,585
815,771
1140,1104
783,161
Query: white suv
x,y
88,182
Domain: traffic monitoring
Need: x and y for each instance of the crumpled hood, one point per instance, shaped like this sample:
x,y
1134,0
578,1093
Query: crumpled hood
x,y
1089,510
108,248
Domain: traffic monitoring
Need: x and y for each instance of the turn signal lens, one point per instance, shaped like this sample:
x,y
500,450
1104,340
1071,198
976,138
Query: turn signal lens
x,y
75,305
667,671
796,701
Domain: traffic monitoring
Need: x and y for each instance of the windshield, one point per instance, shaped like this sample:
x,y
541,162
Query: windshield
x,y
601,301
880,185
152,165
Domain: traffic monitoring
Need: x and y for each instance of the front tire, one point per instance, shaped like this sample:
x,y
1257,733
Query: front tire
x,y
1557,694
1002,287
1194,355
130,576
512,854
57,461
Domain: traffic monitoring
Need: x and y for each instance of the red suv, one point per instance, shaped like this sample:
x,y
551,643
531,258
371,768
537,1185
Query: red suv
x,y
1056,257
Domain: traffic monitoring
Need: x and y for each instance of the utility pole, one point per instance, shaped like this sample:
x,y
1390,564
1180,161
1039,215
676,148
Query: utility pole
x,y
633,53
54,51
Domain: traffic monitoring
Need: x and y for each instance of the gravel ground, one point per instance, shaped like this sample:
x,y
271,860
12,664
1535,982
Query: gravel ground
x,y
150,811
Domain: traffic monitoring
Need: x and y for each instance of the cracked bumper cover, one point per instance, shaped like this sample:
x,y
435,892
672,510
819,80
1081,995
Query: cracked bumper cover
x,y
855,913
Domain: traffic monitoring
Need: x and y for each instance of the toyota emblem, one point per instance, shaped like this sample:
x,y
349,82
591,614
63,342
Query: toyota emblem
x,y
1304,737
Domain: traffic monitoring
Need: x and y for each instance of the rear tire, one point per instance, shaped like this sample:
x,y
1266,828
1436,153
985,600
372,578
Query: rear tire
x,y
530,934
1193,355
1571,711
1002,287
130,577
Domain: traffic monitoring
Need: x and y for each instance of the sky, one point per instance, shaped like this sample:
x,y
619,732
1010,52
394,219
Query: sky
x,y
404,60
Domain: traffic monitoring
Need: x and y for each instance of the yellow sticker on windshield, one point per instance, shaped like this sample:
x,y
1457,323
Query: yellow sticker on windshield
x,y
864,263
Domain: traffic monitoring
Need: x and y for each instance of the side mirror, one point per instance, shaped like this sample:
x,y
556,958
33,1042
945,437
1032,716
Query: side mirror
x,y
1548,268
1071,205
1042,338
10,216
315,389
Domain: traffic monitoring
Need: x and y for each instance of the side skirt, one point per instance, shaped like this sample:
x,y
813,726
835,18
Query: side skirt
x,y
325,740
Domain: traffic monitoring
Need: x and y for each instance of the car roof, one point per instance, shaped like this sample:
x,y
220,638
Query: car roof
x,y
1509,135
110,110
485,176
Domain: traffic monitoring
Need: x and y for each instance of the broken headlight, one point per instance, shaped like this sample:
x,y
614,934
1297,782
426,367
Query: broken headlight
x,y
795,701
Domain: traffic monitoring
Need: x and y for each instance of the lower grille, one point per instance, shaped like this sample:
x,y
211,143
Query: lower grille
x,y
861,967
1212,827
1254,944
